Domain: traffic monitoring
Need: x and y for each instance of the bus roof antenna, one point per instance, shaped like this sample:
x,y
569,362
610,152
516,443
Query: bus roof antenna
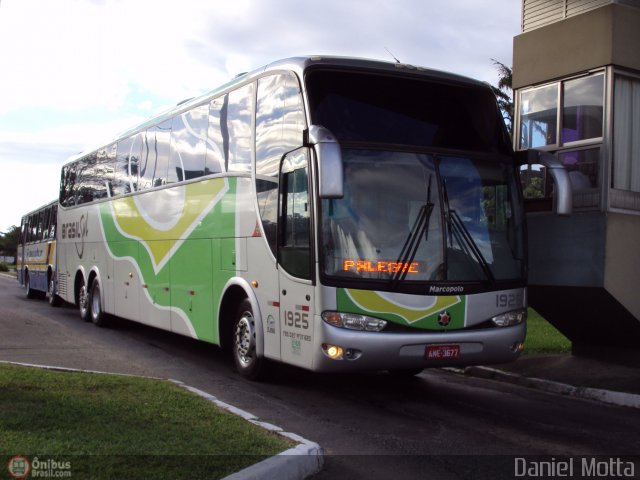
x,y
392,55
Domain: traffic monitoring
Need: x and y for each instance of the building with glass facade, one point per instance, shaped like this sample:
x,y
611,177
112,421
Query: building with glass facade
x,y
576,80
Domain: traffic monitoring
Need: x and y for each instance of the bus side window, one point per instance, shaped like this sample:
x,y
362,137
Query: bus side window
x,y
54,222
279,127
216,147
188,145
126,166
147,159
239,120
295,240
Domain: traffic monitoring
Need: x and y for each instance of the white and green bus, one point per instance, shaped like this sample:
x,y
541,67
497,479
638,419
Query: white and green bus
x,y
330,213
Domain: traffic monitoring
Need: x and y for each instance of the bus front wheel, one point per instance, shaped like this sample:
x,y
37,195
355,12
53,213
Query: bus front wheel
x,y
245,357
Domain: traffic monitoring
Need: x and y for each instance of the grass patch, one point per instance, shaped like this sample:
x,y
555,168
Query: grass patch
x,y
124,427
542,337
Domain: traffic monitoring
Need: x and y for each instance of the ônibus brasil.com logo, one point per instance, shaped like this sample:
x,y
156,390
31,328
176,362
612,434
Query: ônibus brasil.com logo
x,y
21,467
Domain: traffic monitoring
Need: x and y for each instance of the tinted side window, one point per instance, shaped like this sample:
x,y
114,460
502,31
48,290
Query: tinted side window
x,y
147,159
218,136
279,126
295,253
163,153
66,186
188,144
103,173
126,166
239,124
54,222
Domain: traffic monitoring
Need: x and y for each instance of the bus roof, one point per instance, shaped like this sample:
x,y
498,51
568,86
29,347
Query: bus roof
x,y
299,65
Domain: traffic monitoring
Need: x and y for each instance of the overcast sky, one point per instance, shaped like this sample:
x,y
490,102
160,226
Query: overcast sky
x,y
74,73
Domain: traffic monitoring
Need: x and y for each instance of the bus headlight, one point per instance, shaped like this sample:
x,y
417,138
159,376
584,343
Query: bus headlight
x,y
510,318
334,352
354,321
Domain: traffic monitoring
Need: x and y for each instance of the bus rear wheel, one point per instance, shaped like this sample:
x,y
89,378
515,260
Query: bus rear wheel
x,y
83,303
96,312
54,300
30,292
245,357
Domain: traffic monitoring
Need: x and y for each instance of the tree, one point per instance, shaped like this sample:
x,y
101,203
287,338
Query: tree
x,y
504,92
9,241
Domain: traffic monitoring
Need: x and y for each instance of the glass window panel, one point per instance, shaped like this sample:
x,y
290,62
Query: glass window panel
x,y
538,117
582,112
356,106
147,160
239,124
87,180
163,145
155,156
583,166
626,134
54,222
279,126
189,144
104,172
126,167
295,253
217,142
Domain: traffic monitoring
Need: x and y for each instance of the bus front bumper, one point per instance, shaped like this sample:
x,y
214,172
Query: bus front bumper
x,y
370,351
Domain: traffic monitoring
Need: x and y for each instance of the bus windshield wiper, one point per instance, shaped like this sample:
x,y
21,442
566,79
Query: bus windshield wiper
x,y
413,241
463,237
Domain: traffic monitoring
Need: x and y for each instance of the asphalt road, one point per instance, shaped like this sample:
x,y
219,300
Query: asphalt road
x,y
438,425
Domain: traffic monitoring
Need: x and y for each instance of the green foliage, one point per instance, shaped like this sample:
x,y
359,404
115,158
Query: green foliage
x,y
533,188
9,241
503,92
4,267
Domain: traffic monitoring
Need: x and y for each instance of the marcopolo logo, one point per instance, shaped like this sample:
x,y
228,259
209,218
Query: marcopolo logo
x,y
21,467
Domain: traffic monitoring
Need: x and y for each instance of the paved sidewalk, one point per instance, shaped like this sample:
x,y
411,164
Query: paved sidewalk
x,y
609,382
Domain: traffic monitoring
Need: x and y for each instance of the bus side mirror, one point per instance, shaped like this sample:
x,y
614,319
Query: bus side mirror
x,y
327,148
559,174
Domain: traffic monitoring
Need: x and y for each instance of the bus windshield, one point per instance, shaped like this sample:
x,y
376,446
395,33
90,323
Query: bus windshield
x,y
430,190
395,222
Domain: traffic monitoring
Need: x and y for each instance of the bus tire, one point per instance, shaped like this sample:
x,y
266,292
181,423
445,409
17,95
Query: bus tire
x,y
30,292
83,303
243,344
96,312
54,300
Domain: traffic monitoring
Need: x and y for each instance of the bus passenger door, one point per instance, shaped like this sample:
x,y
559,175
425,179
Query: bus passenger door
x,y
295,270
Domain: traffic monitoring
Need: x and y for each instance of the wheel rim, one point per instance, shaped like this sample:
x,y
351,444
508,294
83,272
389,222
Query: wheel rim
x,y
52,289
96,307
83,300
245,340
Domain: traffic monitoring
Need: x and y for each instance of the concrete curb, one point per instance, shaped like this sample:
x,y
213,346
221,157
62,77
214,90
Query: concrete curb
x,y
621,399
297,463
301,461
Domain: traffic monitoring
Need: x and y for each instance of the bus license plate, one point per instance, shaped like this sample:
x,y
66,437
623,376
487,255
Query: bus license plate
x,y
442,352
